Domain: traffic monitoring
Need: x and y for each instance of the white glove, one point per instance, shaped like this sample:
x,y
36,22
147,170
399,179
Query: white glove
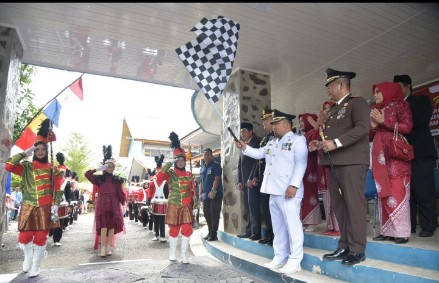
x,y
54,209
54,213
102,168
30,151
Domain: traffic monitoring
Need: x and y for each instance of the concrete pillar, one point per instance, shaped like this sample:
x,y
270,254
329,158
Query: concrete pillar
x,y
11,52
245,96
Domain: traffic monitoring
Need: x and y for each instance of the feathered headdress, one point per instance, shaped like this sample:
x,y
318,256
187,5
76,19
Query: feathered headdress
x,y
159,160
44,133
151,172
61,159
108,155
175,145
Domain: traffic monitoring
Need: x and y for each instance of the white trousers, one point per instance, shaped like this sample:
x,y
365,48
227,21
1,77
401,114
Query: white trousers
x,y
287,229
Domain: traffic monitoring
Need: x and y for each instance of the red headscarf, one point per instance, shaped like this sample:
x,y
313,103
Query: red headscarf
x,y
304,117
392,92
329,102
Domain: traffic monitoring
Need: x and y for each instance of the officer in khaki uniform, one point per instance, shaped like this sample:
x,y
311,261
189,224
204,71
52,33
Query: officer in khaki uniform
x,y
286,158
345,142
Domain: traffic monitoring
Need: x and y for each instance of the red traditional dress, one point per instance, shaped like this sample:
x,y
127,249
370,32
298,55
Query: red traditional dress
x,y
392,175
311,213
111,197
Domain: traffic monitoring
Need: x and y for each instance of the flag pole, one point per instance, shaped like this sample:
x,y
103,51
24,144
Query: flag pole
x,y
228,128
39,111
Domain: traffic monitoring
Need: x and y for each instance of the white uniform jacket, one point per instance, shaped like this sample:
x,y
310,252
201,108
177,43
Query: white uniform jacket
x,y
286,161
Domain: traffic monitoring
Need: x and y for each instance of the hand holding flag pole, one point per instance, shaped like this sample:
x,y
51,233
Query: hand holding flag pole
x,y
209,58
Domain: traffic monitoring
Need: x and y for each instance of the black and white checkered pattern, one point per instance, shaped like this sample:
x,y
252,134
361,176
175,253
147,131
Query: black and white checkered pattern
x,y
209,58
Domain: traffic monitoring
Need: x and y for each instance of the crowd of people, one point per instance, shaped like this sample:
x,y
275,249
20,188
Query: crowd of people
x,y
281,177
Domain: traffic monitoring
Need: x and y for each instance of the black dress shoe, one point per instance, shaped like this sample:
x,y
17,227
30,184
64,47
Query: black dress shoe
x,y
207,236
212,238
426,233
254,237
245,235
381,238
338,254
354,258
264,241
401,240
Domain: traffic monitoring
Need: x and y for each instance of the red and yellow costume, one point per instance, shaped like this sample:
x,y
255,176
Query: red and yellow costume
x,y
181,199
34,221
37,198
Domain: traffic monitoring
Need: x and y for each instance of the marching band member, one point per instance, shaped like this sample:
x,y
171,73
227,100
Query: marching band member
x,y
40,205
144,209
108,211
159,220
60,185
182,199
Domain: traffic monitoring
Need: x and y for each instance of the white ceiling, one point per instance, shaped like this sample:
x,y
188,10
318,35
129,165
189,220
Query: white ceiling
x,y
292,42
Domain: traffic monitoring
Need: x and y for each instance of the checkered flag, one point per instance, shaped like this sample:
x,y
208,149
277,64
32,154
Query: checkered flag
x,y
209,58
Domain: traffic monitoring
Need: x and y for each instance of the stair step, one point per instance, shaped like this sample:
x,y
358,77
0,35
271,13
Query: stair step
x,y
386,251
371,270
253,264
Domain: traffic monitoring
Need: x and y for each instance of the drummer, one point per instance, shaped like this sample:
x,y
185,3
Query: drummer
x,y
60,184
140,195
156,192
182,199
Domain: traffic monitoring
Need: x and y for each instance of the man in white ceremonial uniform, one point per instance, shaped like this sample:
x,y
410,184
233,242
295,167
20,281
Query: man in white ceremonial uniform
x,y
286,160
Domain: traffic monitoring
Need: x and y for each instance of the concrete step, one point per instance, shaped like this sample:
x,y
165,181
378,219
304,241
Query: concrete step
x,y
413,254
252,263
241,252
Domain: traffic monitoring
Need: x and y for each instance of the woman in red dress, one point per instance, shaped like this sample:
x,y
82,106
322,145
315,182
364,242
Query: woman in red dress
x,y
111,197
311,215
392,175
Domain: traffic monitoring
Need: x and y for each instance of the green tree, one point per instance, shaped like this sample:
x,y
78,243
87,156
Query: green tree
x,y
78,155
25,107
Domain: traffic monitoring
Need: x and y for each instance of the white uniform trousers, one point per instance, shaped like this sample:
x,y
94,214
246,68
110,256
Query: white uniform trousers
x,y
287,229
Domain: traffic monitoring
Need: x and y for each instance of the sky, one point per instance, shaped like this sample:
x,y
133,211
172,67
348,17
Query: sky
x,y
106,102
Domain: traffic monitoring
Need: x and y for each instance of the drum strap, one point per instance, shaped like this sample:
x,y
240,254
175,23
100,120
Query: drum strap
x,y
159,189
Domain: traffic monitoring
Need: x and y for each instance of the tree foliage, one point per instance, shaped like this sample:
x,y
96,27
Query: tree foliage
x,y
78,155
24,105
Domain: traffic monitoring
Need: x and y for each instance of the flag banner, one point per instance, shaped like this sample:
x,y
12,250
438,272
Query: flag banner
x,y
52,112
209,58
76,88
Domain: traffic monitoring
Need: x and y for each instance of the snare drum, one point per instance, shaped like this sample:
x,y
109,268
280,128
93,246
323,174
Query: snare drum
x,y
63,209
159,206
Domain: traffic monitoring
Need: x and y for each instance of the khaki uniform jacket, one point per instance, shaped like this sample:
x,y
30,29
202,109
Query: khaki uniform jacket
x,y
349,122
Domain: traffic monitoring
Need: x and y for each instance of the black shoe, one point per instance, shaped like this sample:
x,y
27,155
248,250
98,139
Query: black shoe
x,y
338,254
254,237
381,238
264,241
212,238
426,233
401,240
354,258
207,236
245,235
